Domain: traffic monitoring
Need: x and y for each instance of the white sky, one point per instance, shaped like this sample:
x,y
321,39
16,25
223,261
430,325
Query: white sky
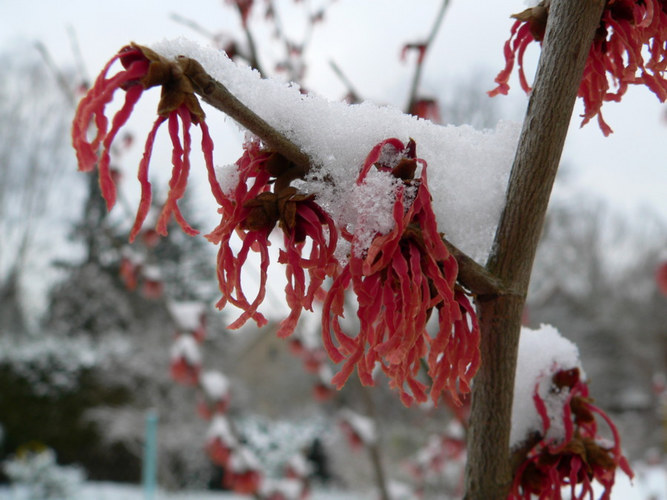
x,y
364,37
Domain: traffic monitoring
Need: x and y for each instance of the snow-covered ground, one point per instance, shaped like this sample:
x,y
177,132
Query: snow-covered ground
x,y
650,483
115,491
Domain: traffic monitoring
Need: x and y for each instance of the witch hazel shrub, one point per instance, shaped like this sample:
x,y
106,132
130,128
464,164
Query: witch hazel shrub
x,y
371,208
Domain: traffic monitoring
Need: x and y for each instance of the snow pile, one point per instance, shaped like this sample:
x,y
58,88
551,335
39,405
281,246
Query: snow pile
x,y
363,427
185,347
188,315
542,353
284,489
243,459
221,429
468,168
215,385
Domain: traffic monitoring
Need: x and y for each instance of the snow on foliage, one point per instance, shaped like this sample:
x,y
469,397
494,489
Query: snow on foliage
x,y
358,429
215,385
283,489
53,364
187,314
469,168
186,347
220,429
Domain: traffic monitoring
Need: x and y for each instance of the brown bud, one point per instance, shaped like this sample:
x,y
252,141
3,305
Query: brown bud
x,y
405,169
566,378
263,212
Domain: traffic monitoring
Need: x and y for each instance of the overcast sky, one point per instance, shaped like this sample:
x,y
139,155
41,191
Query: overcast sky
x,y
364,37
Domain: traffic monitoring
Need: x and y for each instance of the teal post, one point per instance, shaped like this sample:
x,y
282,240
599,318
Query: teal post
x,y
149,472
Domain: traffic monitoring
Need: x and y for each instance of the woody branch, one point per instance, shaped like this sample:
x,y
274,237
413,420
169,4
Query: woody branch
x,y
472,275
568,38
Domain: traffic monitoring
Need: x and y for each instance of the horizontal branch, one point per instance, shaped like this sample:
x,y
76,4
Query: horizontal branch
x,y
475,277
218,96
471,275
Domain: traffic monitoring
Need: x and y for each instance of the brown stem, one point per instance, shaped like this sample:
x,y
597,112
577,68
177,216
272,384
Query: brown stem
x,y
416,79
473,276
374,451
253,58
217,95
568,38
352,94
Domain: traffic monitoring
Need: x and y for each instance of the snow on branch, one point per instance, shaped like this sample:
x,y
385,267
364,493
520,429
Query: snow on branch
x,y
351,198
469,167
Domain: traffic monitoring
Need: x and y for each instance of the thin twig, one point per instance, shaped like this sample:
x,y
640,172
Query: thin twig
x,y
193,25
78,57
352,94
253,58
60,78
568,38
373,448
416,79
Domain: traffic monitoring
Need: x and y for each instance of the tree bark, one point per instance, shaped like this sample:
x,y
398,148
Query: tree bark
x,y
570,30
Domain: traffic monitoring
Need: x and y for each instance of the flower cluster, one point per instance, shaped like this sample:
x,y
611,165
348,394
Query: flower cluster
x,y
178,106
399,281
575,459
359,431
251,212
628,49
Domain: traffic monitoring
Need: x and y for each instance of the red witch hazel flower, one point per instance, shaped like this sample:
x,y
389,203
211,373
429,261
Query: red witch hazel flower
x,y
215,397
359,431
628,49
178,106
575,459
400,280
252,211
185,360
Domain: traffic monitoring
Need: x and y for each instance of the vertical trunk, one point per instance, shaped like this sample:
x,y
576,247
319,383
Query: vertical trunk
x,y
570,31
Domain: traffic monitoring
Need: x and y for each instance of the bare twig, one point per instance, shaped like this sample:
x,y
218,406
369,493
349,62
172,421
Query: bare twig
x,y
78,57
416,79
253,58
352,94
193,25
374,451
60,78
